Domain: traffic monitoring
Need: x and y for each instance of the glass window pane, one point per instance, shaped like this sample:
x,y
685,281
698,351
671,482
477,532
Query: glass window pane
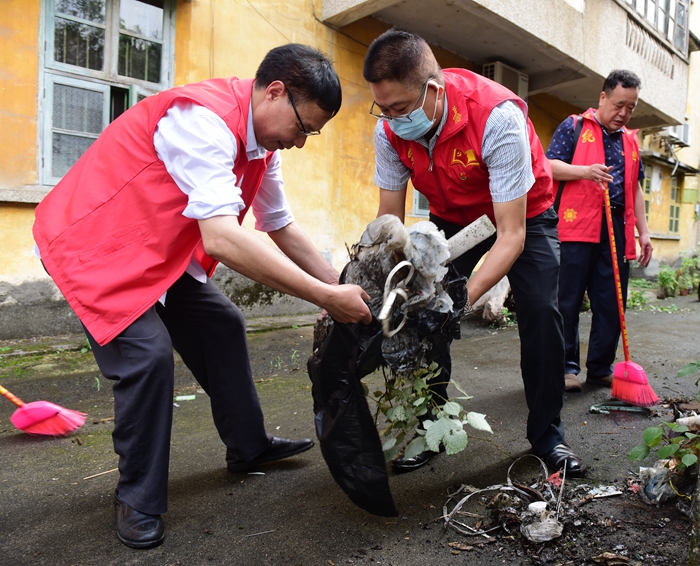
x,y
67,149
142,19
139,59
91,10
79,44
680,27
77,109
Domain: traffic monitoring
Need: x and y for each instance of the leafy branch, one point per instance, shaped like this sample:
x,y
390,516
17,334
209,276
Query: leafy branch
x,y
416,420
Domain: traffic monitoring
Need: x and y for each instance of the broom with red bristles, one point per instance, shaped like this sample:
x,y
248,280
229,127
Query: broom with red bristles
x,y
42,417
630,383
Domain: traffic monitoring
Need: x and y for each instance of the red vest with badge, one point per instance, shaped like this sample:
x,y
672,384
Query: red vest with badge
x,y
581,209
112,234
456,180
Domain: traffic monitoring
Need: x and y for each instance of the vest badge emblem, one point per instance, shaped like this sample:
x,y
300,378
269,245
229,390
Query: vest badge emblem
x,y
464,158
569,215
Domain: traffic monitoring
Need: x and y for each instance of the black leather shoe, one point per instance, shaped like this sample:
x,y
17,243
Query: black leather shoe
x,y
402,465
562,455
277,449
136,529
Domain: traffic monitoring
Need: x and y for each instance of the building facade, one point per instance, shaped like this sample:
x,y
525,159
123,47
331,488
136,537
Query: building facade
x,y
69,67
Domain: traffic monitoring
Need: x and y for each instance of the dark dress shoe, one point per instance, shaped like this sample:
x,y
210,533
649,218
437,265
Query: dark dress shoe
x,y
562,455
605,381
136,529
402,465
277,449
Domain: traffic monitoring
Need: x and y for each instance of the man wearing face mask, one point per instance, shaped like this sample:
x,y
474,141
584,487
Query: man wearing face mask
x,y
467,145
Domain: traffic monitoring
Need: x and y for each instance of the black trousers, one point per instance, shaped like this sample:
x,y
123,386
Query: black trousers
x,y
533,279
584,266
208,331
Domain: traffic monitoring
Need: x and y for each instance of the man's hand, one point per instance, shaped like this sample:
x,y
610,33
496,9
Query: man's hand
x,y
599,173
348,303
645,251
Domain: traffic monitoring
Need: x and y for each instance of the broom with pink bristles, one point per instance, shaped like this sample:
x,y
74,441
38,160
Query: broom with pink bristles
x,y
630,383
42,417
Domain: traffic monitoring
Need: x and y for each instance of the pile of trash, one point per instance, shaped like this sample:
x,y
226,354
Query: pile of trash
x,y
416,300
536,510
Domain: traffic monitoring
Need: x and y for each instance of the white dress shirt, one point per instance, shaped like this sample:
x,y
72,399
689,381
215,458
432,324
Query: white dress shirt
x,y
199,151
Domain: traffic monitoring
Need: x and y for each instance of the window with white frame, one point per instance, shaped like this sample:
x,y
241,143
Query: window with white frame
x,y
675,209
648,174
101,57
668,17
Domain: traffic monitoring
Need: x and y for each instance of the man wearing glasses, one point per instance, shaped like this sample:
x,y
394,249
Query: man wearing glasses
x,y
135,229
467,145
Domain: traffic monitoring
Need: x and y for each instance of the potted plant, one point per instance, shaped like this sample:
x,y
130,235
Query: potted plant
x,y
667,282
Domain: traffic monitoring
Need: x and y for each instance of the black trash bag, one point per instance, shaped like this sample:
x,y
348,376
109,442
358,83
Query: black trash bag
x,y
343,354
427,333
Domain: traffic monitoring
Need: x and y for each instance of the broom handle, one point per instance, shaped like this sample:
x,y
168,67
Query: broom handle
x,y
10,397
616,271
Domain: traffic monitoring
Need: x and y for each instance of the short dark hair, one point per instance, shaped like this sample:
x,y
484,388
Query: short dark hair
x,y
306,72
622,77
401,56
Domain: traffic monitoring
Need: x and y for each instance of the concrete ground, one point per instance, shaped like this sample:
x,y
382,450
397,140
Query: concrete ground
x,y
56,493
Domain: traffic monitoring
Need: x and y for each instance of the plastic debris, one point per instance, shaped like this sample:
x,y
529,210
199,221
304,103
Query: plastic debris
x,y
655,487
185,398
543,526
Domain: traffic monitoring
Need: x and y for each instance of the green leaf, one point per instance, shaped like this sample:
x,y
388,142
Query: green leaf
x,y
452,408
418,401
666,451
415,447
652,436
639,452
692,367
396,414
478,421
458,387
689,459
436,433
455,441
389,444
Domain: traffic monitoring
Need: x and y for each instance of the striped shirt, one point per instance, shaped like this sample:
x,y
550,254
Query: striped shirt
x,y
505,149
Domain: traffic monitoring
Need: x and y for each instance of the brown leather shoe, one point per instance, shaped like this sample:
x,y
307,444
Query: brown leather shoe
x,y
571,383
600,381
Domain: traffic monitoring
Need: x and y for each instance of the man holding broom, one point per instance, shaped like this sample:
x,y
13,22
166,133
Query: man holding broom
x,y
587,150
133,232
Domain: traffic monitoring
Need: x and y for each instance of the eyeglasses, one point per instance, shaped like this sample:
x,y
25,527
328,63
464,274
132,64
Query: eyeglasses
x,y
303,131
402,117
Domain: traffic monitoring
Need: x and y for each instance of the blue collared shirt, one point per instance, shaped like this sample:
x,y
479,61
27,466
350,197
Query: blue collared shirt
x,y
561,148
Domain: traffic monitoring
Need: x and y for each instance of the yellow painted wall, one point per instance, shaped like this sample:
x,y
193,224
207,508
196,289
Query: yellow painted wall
x,y
19,60
17,262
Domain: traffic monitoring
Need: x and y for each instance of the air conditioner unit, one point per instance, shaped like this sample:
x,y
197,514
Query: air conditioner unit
x,y
507,76
678,135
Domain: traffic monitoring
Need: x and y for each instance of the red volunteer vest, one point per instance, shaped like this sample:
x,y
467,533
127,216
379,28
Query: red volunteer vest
x,y
581,209
456,181
111,233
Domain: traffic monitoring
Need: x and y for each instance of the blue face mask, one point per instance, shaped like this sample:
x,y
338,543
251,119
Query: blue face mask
x,y
418,125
